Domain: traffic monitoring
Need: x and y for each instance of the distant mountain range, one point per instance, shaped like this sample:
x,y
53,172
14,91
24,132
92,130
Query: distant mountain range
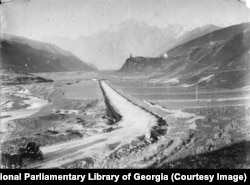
x,y
220,58
22,54
110,48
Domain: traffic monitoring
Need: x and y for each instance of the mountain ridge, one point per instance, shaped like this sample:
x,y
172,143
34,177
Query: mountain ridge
x,y
109,48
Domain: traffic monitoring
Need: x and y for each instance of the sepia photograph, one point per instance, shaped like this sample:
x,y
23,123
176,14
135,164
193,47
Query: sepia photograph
x,y
124,84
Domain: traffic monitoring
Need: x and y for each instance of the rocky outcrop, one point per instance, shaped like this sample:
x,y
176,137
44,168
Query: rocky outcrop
x,y
142,64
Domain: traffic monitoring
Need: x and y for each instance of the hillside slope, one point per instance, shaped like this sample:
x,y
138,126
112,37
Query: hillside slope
x,y
215,36
186,37
21,54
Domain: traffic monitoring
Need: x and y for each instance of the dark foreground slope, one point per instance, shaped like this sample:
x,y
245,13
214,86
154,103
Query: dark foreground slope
x,y
21,54
222,54
229,157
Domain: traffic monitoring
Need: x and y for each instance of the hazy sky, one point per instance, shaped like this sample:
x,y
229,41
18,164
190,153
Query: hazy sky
x,y
73,18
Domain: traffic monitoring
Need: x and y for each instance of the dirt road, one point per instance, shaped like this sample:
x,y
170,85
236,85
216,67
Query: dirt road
x,y
135,122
